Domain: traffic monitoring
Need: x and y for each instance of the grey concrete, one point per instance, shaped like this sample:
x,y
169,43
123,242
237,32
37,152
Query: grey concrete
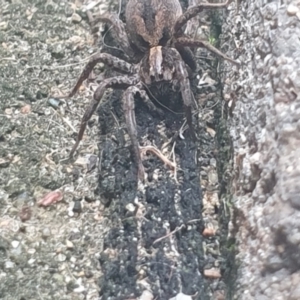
x,y
265,129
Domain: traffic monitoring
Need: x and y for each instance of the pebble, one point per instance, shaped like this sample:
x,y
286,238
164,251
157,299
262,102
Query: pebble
x,y
80,274
31,261
79,289
147,296
54,102
130,207
88,273
57,51
73,259
69,244
17,251
9,264
26,109
4,163
15,244
208,232
8,111
61,257
68,279
3,26
76,18
46,232
31,251
292,10
58,277
213,273
77,206
181,296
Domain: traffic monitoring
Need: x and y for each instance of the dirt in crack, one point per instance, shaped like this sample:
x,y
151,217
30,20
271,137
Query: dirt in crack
x,y
154,240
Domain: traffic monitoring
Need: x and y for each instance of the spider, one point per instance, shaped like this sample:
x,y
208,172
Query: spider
x,y
154,35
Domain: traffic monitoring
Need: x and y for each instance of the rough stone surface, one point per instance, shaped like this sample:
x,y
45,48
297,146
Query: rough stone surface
x,y
76,229
265,91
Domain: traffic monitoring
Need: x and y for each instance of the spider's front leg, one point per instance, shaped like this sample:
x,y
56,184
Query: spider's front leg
x,y
118,82
185,88
128,107
191,12
188,57
119,30
109,60
183,42
189,42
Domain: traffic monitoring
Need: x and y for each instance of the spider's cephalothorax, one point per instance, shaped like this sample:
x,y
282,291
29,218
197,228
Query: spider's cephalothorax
x,y
155,29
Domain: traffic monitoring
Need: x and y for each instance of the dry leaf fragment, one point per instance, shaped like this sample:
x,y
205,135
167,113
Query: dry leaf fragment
x,y
50,198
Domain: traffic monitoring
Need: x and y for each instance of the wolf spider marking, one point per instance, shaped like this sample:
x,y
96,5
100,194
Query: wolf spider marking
x,y
154,33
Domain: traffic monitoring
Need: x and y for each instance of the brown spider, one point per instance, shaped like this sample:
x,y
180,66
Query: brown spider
x,y
154,29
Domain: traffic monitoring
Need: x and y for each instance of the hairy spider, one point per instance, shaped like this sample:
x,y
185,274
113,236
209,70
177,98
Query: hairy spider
x,y
155,34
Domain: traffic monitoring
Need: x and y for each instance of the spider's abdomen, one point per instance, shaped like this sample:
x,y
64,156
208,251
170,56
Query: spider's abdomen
x,y
150,22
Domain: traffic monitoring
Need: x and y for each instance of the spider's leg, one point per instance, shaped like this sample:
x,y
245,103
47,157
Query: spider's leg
x,y
191,12
107,59
183,41
119,29
128,106
188,57
185,88
118,82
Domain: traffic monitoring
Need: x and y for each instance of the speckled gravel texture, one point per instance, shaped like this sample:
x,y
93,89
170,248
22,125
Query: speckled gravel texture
x,y
83,246
53,253
266,136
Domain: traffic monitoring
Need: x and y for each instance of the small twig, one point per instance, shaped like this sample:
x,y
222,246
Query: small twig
x,y
174,162
171,140
115,118
100,161
50,122
56,123
66,121
8,58
182,129
169,234
155,151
